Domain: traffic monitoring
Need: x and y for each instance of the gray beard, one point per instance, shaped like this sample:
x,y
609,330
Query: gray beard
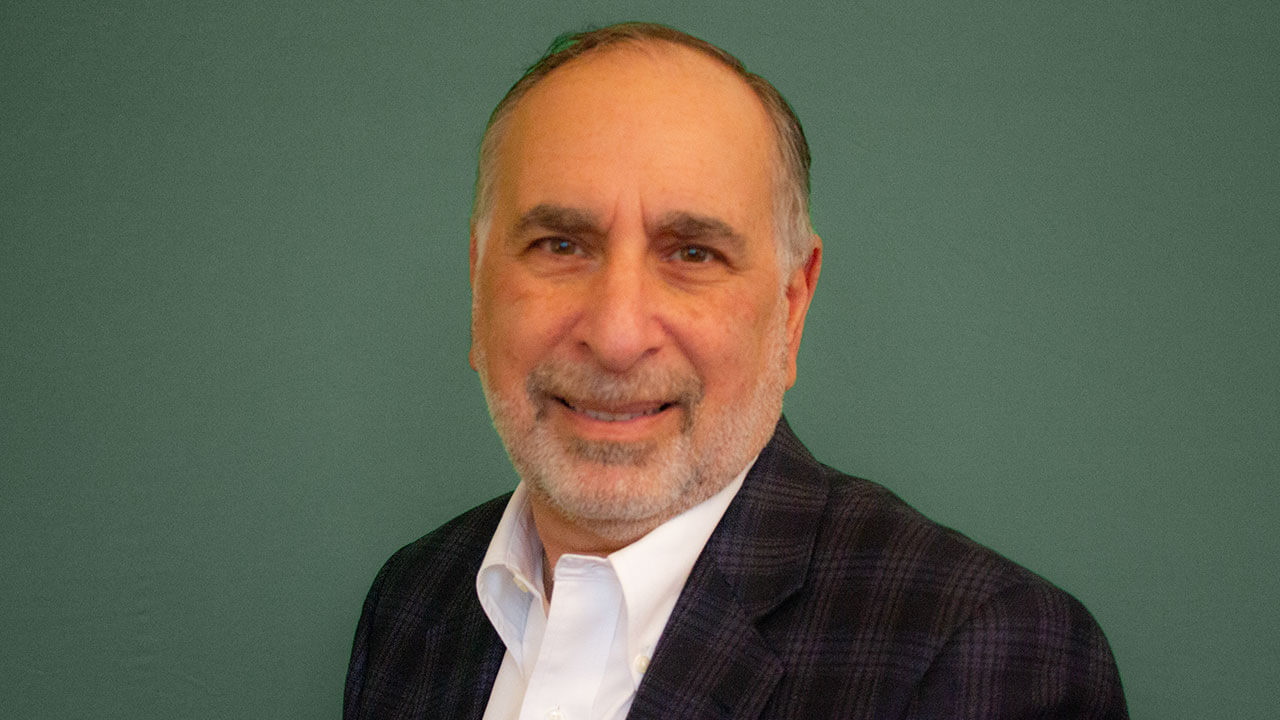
x,y
579,478
581,383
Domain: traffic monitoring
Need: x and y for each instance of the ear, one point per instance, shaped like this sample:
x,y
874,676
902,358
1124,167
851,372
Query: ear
x,y
472,262
800,287
472,258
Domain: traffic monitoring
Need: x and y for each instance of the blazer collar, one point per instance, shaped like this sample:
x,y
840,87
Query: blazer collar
x,y
763,544
712,661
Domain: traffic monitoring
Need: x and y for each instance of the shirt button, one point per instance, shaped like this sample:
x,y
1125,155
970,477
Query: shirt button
x,y
520,585
641,663
555,714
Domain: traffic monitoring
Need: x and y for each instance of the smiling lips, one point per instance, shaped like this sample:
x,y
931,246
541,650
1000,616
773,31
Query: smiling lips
x,y
634,402
637,410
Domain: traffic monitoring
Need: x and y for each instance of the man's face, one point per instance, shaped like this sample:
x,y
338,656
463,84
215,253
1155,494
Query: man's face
x,y
631,327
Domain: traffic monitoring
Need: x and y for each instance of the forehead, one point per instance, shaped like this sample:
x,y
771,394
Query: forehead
x,y
661,122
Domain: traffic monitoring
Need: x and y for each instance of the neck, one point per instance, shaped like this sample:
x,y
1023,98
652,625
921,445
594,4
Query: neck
x,y
561,535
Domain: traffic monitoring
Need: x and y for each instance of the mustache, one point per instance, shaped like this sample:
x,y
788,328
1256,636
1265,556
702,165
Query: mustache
x,y
583,383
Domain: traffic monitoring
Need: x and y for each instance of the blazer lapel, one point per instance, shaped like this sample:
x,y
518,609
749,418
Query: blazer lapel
x,y
466,657
710,663
712,660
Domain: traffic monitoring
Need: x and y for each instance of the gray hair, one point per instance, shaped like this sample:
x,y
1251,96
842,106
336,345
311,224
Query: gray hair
x,y
792,227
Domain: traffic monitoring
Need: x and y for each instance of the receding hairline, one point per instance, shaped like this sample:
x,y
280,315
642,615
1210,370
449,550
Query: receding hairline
x,y
658,50
789,151
499,131
717,76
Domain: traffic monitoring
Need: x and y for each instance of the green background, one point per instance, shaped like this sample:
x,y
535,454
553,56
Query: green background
x,y
234,312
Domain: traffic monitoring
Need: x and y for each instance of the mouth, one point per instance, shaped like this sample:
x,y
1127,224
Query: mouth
x,y
617,414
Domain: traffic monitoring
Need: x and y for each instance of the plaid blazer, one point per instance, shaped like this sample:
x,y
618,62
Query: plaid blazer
x,y
818,595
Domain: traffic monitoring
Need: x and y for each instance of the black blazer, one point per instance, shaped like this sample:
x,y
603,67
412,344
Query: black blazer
x,y
818,595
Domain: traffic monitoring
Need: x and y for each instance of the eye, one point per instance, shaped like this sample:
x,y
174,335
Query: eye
x,y
558,246
694,254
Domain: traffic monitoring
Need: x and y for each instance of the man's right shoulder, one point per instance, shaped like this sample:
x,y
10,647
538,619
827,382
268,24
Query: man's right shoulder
x,y
449,555
421,619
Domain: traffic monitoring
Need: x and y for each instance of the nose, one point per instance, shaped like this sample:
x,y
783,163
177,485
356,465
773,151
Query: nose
x,y
620,324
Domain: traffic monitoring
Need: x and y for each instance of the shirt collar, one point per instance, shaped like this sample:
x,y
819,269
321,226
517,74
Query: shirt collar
x,y
510,576
651,571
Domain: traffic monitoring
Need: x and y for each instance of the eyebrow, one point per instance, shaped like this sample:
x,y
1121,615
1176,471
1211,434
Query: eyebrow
x,y
558,218
680,225
690,227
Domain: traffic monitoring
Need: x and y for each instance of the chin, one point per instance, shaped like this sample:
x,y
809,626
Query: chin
x,y
621,491
615,485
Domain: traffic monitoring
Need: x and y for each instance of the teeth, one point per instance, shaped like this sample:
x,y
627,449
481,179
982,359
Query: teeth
x,y
614,417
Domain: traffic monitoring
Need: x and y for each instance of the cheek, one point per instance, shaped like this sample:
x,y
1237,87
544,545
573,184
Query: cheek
x,y
514,325
728,341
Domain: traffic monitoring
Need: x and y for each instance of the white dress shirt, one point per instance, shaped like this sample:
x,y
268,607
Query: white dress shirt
x,y
584,659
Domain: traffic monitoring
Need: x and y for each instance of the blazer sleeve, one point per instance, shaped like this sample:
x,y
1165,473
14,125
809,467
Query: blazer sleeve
x,y
1029,651
357,668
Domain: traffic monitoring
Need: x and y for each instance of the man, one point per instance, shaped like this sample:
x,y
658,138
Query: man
x,y
641,266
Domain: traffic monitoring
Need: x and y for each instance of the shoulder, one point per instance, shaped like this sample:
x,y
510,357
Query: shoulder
x,y
905,551
876,550
948,618
421,619
441,561
867,543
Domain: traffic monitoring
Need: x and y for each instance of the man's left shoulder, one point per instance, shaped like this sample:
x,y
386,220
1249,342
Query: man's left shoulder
x,y
841,567
861,532
896,555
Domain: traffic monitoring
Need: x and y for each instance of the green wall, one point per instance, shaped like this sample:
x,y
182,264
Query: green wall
x,y
234,310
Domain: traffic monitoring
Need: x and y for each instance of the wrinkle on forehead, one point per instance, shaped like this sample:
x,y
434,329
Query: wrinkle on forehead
x,y
662,126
